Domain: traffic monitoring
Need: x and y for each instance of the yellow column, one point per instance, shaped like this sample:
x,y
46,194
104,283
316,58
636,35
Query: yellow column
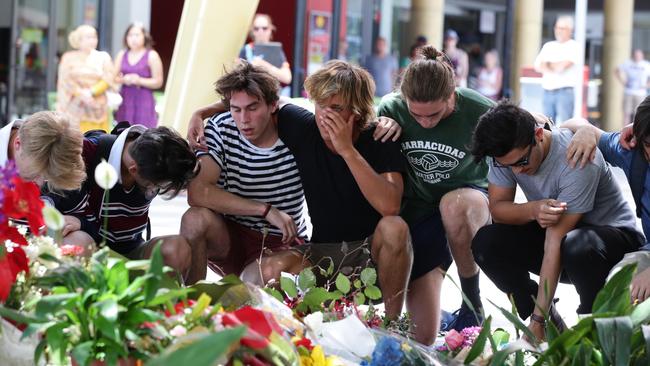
x,y
210,35
527,40
617,44
428,19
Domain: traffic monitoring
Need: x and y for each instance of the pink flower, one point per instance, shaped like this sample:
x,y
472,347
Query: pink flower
x,y
178,331
454,339
71,250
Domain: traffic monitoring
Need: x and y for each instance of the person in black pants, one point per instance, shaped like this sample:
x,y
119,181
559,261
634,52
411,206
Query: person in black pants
x,y
575,226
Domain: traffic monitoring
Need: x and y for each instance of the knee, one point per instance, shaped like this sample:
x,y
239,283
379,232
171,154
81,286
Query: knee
x,y
261,272
578,247
393,234
196,220
177,253
463,208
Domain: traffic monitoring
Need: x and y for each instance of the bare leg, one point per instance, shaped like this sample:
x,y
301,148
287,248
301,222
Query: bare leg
x,y
207,233
391,251
260,273
423,303
176,252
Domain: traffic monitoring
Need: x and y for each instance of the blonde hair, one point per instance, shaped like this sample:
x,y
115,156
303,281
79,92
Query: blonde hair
x,y
74,38
55,148
352,83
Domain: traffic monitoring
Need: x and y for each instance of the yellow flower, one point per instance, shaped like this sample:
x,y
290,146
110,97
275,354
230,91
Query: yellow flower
x,y
306,361
318,356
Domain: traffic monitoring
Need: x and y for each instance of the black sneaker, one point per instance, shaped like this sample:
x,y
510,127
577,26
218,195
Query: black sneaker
x,y
464,318
445,320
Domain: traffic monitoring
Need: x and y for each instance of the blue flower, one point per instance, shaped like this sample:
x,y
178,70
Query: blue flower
x,y
388,352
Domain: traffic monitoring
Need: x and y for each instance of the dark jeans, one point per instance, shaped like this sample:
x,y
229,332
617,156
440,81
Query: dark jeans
x,y
507,253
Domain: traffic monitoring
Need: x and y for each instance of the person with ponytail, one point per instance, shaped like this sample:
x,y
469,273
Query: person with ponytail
x,y
445,192
85,75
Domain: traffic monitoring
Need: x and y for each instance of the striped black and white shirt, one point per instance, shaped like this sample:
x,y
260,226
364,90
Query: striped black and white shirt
x,y
267,175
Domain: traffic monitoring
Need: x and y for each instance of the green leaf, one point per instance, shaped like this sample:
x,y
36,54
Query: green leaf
x,y
514,319
372,292
583,354
614,335
273,292
165,295
48,305
641,313
288,286
359,298
306,279
204,352
615,295
19,317
156,269
315,297
118,277
57,342
357,284
645,330
108,309
330,267
368,276
479,343
201,304
342,283
82,353
218,289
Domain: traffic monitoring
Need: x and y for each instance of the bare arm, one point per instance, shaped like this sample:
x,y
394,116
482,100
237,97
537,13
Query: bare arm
x,y
118,67
549,274
204,192
282,73
584,143
195,135
505,211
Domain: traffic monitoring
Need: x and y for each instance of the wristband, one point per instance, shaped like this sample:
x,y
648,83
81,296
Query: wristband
x,y
538,319
266,210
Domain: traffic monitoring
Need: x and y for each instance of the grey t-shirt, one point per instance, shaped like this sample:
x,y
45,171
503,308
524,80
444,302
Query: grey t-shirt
x,y
382,70
591,191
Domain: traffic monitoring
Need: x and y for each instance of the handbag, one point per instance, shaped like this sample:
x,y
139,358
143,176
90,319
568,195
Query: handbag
x,y
113,99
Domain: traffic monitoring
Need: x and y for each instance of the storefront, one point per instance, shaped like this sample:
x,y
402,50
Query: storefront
x,y
33,35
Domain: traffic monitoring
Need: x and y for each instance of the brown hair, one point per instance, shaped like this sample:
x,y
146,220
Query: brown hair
x,y
641,126
253,80
352,83
148,40
54,147
429,78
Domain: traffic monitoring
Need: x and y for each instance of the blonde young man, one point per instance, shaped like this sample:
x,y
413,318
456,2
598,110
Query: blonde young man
x,y
46,149
352,183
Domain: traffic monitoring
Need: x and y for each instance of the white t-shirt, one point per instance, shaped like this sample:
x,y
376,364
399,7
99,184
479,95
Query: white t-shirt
x,y
637,75
555,51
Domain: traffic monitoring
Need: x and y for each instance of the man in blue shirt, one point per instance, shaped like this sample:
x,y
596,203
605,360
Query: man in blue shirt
x,y
630,151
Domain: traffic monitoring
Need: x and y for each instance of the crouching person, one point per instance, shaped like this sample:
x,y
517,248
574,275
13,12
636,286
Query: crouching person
x,y
148,162
574,228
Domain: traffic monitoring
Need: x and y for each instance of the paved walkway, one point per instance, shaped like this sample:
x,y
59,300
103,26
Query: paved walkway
x,y
166,215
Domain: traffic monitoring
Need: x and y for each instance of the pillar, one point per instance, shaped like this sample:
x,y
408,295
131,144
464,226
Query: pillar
x,y
527,40
210,35
617,44
428,19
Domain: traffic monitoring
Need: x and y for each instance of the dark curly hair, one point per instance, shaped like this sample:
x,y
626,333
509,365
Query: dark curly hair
x,y
501,129
641,126
253,80
165,159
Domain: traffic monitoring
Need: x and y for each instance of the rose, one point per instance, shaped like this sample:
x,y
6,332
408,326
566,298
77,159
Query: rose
x,y
454,340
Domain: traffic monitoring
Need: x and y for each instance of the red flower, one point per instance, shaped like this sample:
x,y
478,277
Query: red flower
x,y
179,307
11,263
305,342
260,326
11,233
24,202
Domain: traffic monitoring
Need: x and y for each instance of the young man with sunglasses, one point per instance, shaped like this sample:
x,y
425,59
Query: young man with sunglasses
x,y
574,228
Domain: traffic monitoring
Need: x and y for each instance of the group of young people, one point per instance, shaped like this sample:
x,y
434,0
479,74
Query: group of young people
x,y
429,181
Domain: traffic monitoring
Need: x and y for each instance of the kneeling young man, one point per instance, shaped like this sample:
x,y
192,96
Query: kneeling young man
x,y
46,149
248,184
147,162
574,228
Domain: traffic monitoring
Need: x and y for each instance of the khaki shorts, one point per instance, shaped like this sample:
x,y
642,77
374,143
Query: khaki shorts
x,y
347,257
631,102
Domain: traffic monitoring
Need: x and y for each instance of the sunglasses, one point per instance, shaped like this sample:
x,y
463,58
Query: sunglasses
x,y
525,160
260,28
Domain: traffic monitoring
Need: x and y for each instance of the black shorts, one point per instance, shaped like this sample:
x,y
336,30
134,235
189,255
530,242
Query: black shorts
x,y
430,249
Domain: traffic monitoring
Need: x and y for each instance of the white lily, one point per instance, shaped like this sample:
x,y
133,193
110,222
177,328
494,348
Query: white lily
x,y
105,175
53,218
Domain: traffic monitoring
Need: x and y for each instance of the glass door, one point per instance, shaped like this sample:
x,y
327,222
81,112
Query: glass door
x,y
28,84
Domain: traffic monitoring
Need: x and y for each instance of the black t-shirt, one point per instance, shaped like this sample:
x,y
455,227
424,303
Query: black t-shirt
x,y
338,209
